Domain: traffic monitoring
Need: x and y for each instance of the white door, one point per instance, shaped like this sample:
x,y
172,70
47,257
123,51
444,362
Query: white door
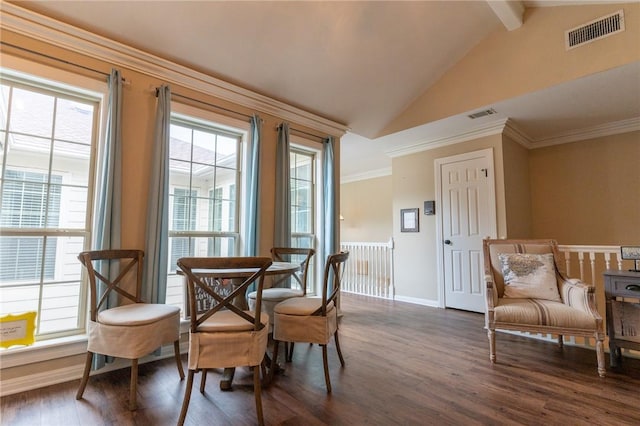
x,y
467,216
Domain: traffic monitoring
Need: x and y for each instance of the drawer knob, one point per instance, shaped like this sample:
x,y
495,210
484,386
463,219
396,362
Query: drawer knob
x,y
633,287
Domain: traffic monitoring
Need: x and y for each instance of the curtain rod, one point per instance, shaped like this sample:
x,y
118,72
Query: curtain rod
x,y
64,61
322,138
207,104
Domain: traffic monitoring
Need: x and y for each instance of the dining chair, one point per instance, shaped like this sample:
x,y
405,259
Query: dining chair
x,y
312,319
287,286
222,334
528,291
130,328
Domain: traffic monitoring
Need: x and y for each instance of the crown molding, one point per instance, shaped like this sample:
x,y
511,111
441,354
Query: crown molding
x,y
492,128
602,130
513,132
369,174
22,21
507,127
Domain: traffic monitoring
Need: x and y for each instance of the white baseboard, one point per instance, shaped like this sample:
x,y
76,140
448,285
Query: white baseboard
x,y
418,301
74,372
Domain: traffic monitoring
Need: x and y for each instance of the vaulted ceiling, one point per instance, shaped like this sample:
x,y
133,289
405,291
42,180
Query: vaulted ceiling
x,y
360,63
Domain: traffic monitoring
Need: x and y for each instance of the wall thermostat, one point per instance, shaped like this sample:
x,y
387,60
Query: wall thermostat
x,y
430,207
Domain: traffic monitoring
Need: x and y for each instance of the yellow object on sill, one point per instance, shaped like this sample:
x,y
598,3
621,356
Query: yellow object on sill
x,y
17,329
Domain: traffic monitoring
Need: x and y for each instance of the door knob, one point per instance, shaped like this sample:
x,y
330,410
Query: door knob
x,y
447,242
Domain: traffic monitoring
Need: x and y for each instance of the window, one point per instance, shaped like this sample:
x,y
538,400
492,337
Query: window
x,y
47,138
303,210
203,203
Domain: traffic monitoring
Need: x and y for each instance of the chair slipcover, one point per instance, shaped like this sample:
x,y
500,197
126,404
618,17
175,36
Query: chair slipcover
x,y
222,334
312,319
274,295
132,329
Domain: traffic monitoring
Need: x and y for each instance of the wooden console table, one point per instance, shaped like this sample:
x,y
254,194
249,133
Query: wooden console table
x,y
622,294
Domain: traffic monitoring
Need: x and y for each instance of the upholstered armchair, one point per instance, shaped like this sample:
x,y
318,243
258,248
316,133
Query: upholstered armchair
x,y
528,291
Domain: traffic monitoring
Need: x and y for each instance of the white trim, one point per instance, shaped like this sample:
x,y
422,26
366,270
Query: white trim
x,y
493,128
607,129
74,372
39,380
369,174
509,128
43,28
43,351
486,153
417,301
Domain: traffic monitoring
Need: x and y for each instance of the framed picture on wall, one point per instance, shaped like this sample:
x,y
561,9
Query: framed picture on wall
x,y
409,221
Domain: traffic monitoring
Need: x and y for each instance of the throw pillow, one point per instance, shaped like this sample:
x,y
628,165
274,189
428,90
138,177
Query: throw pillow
x,y
529,276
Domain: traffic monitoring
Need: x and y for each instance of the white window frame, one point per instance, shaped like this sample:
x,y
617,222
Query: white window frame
x,y
38,77
207,118
312,147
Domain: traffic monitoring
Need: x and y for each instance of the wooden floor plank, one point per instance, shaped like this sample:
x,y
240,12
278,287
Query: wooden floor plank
x,y
405,364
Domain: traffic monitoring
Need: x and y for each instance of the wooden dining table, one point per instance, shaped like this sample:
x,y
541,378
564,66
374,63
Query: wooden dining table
x,y
276,268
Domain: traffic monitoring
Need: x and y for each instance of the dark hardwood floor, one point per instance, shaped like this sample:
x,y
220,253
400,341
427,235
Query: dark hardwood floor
x,y
405,365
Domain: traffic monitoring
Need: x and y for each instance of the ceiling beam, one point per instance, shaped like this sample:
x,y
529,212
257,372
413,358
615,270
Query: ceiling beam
x,y
510,12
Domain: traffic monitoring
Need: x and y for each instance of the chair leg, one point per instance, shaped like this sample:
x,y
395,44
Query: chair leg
x,y
600,355
492,344
288,351
85,375
258,394
176,350
335,336
187,397
133,388
560,341
325,361
274,360
203,380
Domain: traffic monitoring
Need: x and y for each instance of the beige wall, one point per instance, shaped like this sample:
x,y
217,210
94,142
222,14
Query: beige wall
x,y
587,192
511,63
366,208
516,189
413,183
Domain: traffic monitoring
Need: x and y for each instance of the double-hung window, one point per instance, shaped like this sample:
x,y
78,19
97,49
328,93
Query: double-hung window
x,y
303,201
204,174
48,134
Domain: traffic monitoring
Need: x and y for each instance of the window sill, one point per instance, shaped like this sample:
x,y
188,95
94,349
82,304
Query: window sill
x,y
43,351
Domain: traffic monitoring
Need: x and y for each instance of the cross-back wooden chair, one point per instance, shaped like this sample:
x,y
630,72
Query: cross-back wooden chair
x,y
222,334
286,286
312,319
131,329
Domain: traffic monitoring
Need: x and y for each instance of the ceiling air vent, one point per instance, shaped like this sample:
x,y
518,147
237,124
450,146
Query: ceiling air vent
x,y
594,30
482,113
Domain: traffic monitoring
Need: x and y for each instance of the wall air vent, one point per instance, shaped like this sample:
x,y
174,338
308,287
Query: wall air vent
x,y
594,30
482,113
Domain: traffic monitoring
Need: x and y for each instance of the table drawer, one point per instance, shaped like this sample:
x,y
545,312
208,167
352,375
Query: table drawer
x,y
623,286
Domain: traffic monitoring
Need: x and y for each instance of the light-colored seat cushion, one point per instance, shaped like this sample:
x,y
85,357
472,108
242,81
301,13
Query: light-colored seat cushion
x,y
301,306
136,314
276,294
228,321
271,297
294,322
538,312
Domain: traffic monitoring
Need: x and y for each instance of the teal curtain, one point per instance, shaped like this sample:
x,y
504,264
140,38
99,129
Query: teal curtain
x,y
107,223
252,198
282,231
331,243
109,188
154,288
